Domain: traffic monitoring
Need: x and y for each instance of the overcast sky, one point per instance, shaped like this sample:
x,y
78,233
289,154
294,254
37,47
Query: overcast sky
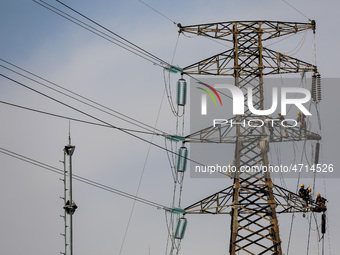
x,y
47,45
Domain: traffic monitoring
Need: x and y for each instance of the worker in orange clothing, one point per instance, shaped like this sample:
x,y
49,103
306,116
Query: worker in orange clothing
x,y
320,204
320,201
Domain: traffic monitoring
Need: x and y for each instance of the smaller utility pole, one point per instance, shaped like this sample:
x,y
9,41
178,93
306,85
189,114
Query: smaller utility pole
x,y
69,205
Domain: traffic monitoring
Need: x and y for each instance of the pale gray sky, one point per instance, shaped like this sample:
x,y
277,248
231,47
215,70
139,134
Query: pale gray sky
x,y
54,48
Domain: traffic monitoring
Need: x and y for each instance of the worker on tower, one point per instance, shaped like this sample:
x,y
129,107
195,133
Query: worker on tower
x,y
320,201
302,191
320,204
302,120
283,123
305,193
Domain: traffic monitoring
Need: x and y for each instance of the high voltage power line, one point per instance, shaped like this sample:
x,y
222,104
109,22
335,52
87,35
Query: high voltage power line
x,y
75,109
87,101
113,38
162,14
126,131
296,9
82,179
117,40
73,119
134,46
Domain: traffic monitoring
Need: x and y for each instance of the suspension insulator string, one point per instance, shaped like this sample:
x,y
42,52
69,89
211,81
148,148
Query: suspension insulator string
x,y
318,85
314,87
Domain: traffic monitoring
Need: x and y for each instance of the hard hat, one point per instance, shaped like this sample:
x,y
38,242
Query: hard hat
x,y
299,112
279,113
309,189
318,195
302,185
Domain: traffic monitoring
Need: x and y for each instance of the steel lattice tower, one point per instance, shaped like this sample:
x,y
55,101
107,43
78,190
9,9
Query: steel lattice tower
x,y
253,198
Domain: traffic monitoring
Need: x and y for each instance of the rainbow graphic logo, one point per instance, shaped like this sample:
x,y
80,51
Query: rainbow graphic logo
x,y
204,97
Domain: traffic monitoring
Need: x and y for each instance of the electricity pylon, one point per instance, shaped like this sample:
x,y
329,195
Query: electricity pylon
x,y
253,198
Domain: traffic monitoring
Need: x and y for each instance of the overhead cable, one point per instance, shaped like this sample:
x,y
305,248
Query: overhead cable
x,y
141,178
111,32
74,119
117,40
133,48
157,12
121,115
77,110
95,118
296,9
82,179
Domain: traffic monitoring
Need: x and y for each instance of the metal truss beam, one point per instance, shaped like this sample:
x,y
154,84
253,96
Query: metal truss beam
x,y
221,202
273,63
269,29
227,134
